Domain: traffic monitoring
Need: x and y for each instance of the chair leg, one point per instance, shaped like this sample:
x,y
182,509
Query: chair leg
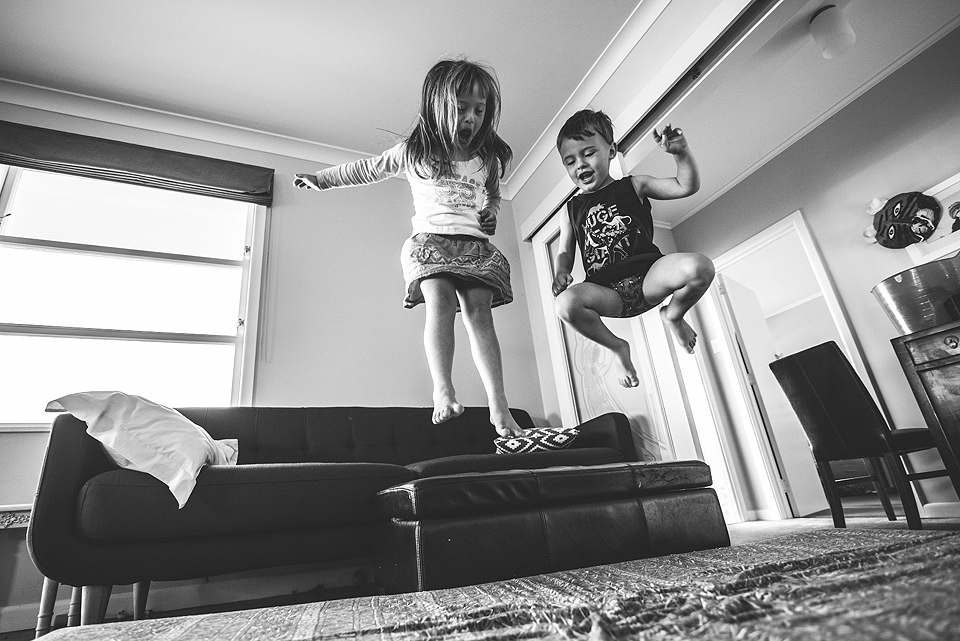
x,y
140,591
876,471
73,614
910,509
828,481
48,597
94,604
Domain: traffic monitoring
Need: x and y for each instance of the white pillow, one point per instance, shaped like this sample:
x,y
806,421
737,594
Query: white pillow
x,y
144,436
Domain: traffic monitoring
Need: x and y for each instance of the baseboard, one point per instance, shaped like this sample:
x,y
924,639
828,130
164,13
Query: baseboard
x,y
14,618
940,509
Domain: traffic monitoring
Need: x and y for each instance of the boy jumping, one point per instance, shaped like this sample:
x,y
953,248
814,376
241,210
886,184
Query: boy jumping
x,y
610,220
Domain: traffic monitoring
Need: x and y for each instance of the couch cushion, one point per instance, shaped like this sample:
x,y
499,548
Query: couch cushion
x,y
235,500
459,494
525,461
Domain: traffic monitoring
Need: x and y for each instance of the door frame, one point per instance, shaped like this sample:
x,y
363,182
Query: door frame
x,y
796,224
550,231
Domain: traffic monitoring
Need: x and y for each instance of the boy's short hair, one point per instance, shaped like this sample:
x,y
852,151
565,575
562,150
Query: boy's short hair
x,y
584,124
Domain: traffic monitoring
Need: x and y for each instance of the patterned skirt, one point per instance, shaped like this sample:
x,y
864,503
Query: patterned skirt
x,y
464,257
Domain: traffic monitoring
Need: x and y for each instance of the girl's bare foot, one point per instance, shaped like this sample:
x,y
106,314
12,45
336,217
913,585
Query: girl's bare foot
x,y
504,423
685,335
445,407
627,374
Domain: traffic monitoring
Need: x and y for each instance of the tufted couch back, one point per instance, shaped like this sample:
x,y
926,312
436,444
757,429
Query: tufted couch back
x,y
398,435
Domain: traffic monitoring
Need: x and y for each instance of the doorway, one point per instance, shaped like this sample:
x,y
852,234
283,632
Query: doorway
x,y
774,297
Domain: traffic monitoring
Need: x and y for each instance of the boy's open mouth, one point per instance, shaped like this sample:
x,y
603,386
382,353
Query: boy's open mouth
x,y
586,177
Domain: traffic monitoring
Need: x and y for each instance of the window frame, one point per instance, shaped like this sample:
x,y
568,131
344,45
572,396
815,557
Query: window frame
x,y
245,340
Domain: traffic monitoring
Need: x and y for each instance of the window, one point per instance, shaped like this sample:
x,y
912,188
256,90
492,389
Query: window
x,y
112,286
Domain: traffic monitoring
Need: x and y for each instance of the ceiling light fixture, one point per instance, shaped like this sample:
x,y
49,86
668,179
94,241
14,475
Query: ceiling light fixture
x,y
832,31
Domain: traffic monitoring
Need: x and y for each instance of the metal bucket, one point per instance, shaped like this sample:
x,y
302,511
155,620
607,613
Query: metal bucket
x,y
922,297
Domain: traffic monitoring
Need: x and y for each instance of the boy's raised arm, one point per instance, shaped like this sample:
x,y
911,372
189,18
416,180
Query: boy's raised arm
x,y
687,180
563,263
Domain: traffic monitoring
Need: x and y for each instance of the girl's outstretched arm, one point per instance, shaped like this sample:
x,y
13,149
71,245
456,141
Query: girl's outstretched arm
x,y
360,172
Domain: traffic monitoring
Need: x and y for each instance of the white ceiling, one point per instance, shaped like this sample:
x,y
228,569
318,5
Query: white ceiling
x,y
347,75
344,74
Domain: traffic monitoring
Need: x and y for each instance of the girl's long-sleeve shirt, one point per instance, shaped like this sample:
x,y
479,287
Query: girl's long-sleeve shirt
x,y
442,206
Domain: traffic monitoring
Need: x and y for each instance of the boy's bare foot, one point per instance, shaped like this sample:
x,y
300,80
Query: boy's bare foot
x,y
505,424
445,408
685,335
627,374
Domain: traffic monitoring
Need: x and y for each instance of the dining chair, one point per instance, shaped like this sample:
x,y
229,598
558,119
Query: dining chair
x,y
842,422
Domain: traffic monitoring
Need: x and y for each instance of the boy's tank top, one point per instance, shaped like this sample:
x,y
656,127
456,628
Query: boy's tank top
x,y
614,229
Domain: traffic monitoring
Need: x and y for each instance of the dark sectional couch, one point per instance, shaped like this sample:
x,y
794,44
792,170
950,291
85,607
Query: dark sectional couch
x,y
339,483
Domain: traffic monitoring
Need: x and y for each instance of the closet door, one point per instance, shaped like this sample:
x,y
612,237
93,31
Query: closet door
x,y
585,373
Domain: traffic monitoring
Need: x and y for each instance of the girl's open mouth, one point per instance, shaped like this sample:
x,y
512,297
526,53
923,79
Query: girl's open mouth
x,y
464,136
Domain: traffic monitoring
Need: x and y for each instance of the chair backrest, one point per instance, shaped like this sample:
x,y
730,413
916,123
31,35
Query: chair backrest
x,y
839,416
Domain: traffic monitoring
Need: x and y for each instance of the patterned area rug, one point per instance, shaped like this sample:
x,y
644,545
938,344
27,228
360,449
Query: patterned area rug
x,y
865,585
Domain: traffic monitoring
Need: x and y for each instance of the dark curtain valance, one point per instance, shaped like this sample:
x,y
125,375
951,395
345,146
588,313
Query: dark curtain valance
x,y
67,153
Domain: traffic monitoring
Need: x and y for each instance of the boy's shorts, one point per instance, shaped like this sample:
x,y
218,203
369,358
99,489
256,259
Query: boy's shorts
x,y
631,296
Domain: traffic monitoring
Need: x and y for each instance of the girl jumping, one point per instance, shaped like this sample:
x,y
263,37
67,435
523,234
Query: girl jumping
x,y
453,160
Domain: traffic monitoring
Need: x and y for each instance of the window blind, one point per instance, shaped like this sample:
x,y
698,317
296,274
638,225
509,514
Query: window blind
x,y
79,155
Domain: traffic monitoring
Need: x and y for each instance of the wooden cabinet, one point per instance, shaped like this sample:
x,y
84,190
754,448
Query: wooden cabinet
x,y
931,360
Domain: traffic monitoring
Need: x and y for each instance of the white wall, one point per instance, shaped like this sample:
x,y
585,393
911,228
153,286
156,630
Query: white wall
x,y
802,326
336,332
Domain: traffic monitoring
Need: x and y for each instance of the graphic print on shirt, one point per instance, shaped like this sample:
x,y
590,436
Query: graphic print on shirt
x,y
605,237
459,192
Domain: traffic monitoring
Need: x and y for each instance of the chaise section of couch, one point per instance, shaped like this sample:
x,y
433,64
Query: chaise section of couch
x,y
302,492
465,529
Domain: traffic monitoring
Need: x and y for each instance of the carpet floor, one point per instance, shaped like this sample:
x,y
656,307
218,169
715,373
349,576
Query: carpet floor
x,y
854,584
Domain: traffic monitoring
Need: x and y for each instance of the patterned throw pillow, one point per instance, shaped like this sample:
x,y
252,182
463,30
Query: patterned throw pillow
x,y
536,438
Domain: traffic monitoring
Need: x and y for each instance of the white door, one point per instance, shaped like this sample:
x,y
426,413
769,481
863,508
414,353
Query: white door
x,y
584,370
788,443
671,413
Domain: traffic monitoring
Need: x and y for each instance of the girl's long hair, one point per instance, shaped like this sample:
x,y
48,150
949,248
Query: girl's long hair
x,y
431,146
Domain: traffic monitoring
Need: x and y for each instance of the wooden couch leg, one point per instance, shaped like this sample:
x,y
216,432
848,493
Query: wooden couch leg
x,y
140,591
73,614
93,607
48,597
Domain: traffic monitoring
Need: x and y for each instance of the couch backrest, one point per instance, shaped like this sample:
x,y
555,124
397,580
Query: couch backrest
x,y
399,435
